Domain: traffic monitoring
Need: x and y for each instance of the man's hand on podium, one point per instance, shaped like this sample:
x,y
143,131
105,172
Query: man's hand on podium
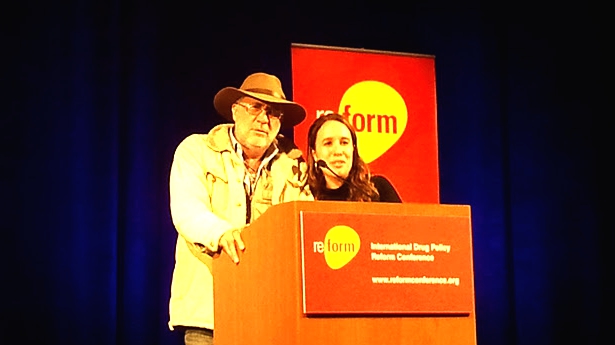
x,y
231,243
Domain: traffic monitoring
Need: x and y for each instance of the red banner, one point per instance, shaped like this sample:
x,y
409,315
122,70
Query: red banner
x,y
386,264
390,98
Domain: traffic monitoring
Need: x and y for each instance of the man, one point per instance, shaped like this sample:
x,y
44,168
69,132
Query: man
x,y
223,180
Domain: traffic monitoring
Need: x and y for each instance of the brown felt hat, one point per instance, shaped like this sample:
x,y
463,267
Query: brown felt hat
x,y
266,88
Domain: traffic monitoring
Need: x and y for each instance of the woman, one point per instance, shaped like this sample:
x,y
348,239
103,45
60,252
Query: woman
x,y
335,170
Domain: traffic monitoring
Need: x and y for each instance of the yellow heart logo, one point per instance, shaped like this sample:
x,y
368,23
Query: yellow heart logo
x,y
341,245
379,115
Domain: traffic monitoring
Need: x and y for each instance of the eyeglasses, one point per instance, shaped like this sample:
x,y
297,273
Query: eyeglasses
x,y
257,109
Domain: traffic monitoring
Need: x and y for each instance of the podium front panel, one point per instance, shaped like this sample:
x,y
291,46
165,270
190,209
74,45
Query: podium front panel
x,y
261,300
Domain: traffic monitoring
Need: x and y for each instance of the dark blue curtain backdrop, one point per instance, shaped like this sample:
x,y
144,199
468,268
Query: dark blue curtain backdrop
x,y
98,94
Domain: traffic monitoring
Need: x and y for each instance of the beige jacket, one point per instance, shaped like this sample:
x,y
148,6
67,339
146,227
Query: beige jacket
x,y
208,198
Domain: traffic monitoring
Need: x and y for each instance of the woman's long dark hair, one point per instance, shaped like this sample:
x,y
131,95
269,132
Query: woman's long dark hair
x,y
359,178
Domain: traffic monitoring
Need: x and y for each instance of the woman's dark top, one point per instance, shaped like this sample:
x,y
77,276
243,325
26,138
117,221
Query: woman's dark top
x,y
385,189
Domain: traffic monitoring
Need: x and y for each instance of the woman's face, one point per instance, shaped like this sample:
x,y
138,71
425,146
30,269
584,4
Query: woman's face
x,y
334,146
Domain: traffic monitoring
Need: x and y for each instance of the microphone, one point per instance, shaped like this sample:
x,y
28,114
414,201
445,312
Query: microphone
x,y
322,164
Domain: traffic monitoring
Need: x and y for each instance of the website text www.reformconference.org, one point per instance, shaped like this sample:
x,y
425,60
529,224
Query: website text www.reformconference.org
x,y
416,280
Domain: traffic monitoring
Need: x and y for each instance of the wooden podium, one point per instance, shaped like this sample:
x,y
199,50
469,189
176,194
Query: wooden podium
x,y
377,284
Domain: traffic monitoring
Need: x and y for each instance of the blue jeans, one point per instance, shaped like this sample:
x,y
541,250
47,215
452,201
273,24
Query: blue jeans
x,y
199,336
